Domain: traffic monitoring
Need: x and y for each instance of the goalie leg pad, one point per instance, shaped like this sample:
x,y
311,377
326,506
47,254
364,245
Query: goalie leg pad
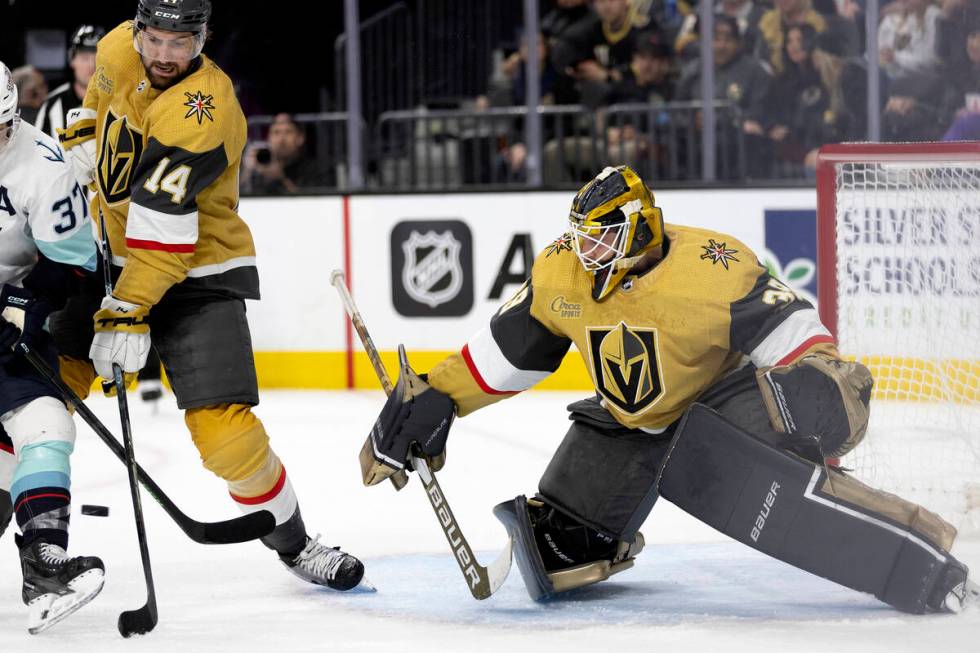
x,y
785,507
604,475
541,583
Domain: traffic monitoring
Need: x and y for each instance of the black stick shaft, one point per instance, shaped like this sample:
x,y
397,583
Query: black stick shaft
x,y
240,529
145,619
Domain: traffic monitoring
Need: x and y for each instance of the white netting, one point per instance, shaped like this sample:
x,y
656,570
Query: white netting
x,y
908,284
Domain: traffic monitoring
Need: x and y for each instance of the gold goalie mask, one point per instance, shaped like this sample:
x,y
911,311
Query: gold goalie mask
x,y
613,223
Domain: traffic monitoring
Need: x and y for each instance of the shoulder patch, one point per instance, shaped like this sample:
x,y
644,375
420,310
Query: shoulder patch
x,y
718,253
562,244
199,106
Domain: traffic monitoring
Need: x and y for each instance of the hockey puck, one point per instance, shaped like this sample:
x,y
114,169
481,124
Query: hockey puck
x,y
95,511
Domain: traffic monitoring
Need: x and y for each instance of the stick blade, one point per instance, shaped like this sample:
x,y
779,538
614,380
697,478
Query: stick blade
x,y
241,529
138,622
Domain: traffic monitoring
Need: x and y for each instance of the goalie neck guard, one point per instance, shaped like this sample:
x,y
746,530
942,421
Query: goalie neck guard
x,y
613,223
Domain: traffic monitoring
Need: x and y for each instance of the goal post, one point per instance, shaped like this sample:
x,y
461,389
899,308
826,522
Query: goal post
x,y
898,264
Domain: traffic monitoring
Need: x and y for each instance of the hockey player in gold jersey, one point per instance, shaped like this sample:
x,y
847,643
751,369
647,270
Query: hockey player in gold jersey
x,y
161,134
717,387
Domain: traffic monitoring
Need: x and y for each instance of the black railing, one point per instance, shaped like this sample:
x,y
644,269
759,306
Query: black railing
x,y
424,149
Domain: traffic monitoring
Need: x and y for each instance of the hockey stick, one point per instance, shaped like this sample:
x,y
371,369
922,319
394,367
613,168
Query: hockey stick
x,y
482,581
232,531
142,620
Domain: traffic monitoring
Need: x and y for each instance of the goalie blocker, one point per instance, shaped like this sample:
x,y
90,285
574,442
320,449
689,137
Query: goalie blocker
x,y
816,519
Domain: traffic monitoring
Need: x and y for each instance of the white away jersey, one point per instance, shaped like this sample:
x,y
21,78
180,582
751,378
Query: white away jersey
x,y
42,207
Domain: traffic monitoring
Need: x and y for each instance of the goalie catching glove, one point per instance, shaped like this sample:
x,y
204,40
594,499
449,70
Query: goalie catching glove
x,y
416,416
820,402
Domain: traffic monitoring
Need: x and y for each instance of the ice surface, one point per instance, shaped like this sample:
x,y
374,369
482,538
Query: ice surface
x,y
691,589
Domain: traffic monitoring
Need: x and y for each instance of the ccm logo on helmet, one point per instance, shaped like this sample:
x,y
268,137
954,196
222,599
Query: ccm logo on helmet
x,y
164,14
760,520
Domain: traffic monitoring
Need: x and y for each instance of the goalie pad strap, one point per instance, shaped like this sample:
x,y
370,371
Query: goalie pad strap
x,y
780,505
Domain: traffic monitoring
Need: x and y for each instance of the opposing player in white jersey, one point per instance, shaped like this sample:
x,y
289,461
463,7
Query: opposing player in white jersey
x,y
46,247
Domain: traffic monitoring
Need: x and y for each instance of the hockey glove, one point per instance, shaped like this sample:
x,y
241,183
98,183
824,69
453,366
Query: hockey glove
x,y
122,337
415,415
78,139
821,403
23,317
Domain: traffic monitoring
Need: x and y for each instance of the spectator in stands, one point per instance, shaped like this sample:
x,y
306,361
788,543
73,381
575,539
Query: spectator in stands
x,y
282,166
817,99
31,91
595,52
907,40
747,14
511,88
563,15
738,78
962,104
956,19
776,22
647,80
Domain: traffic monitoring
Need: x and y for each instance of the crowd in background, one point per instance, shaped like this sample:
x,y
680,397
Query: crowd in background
x,y
794,70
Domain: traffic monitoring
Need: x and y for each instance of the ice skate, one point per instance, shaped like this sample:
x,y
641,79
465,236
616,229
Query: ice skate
x,y
965,595
327,566
55,586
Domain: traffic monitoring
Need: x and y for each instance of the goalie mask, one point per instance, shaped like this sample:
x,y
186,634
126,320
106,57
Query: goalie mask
x,y
613,223
9,119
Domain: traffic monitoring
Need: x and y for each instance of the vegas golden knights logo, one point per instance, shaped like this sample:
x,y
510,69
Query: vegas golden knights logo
x,y
122,145
626,366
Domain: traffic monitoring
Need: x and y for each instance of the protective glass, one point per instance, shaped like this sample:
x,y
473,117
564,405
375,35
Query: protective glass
x,y
176,47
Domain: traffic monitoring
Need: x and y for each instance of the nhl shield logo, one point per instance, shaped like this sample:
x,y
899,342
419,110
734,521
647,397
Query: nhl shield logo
x,y
432,273
432,268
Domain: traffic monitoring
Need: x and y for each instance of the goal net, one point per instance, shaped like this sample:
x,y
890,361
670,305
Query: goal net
x,y
899,285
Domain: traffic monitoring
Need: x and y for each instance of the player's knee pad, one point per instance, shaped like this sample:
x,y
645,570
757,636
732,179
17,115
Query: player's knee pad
x,y
232,442
557,553
39,421
78,373
819,402
825,523
603,474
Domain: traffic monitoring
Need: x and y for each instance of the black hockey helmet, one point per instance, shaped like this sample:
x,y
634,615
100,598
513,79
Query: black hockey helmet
x,y
174,15
85,38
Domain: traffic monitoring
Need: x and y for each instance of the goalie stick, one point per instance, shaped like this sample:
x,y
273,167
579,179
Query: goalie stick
x,y
482,581
232,531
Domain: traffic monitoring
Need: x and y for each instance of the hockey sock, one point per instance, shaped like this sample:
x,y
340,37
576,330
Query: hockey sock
x,y
40,491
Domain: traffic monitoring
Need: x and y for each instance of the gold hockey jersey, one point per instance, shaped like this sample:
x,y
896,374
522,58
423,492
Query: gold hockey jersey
x,y
167,176
652,346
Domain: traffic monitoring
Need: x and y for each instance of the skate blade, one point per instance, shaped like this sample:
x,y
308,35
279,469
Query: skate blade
x,y
364,587
50,609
